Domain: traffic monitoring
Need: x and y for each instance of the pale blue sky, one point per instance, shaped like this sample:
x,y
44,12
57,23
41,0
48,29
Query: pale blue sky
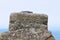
x,y
50,7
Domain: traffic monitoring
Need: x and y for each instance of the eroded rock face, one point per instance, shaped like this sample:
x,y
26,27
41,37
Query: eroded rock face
x,y
27,26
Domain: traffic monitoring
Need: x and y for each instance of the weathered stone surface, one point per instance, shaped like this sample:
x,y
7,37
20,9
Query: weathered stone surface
x,y
4,36
27,26
22,20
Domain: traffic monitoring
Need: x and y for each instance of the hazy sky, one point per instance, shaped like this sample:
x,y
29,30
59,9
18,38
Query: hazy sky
x,y
50,7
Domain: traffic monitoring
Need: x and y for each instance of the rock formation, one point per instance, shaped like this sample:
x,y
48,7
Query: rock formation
x,y
27,25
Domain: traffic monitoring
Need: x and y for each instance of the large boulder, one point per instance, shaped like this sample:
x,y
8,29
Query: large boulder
x,y
27,25
19,20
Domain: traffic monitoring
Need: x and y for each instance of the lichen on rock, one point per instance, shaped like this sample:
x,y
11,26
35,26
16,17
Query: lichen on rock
x,y
27,25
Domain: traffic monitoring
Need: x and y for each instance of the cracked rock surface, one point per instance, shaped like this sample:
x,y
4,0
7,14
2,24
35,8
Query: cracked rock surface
x,y
27,25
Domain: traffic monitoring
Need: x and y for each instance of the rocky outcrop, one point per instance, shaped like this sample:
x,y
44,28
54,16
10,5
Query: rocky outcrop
x,y
27,25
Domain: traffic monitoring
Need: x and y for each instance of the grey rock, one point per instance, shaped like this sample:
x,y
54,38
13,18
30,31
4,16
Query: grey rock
x,y
26,12
27,26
